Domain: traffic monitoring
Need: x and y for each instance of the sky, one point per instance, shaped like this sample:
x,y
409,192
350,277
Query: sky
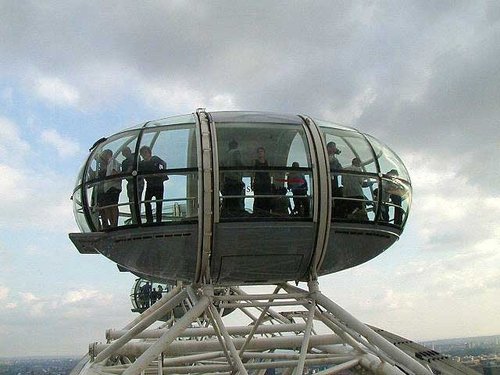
x,y
421,76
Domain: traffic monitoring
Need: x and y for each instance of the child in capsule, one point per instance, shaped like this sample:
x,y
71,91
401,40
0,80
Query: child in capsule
x,y
154,183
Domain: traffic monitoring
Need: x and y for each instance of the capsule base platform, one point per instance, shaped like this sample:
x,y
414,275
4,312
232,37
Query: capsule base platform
x,y
288,331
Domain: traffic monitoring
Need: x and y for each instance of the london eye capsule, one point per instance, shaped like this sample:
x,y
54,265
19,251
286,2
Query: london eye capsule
x,y
239,198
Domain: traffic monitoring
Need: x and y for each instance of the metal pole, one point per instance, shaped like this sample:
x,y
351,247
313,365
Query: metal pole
x,y
252,297
197,332
362,344
255,366
183,347
191,358
154,306
141,326
257,323
220,339
229,342
394,352
305,344
373,363
339,368
163,342
249,314
229,305
348,339
273,313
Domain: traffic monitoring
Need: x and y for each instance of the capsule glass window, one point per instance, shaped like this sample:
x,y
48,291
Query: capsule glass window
x,y
265,171
389,162
395,201
104,187
167,179
107,158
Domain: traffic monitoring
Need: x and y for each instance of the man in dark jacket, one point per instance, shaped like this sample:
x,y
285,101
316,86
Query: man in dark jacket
x,y
153,169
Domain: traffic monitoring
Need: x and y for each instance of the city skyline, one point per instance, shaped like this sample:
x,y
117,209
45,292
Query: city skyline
x,y
421,76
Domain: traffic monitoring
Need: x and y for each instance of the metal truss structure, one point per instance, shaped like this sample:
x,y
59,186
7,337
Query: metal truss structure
x,y
290,331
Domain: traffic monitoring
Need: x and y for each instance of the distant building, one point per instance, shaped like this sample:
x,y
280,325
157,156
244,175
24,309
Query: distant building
x,y
491,369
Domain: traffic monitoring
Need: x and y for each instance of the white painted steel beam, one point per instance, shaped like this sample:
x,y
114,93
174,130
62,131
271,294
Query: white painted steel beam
x,y
154,307
253,297
339,368
305,343
227,340
142,325
228,305
254,365
163,342
257,324
210,331
191,346
373,337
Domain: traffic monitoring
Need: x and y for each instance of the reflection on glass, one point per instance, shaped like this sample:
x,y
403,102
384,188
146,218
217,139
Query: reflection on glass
x,y
343,146
172,120
110,151
389,162
175,144
78,210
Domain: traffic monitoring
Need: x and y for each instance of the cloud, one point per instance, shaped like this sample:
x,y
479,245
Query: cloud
x,y
13,185
446,203
77,303
65,147
29,196
81,313
11,142
388,300
27,204
57,92
176,97
83,295
28,297
4,292
7,96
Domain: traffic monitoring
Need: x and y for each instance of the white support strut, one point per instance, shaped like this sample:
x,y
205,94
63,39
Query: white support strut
x,y
312,334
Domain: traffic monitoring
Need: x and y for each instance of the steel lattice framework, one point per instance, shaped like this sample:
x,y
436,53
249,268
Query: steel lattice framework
x,y
289,342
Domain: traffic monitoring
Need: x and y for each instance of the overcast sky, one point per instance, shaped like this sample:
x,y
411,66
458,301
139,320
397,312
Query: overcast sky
x,y
422,76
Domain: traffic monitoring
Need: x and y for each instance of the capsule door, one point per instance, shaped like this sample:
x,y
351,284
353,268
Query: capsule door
x,y
264,231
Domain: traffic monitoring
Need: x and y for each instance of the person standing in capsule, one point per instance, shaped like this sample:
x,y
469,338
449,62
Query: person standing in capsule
x,y
261,184
152,166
